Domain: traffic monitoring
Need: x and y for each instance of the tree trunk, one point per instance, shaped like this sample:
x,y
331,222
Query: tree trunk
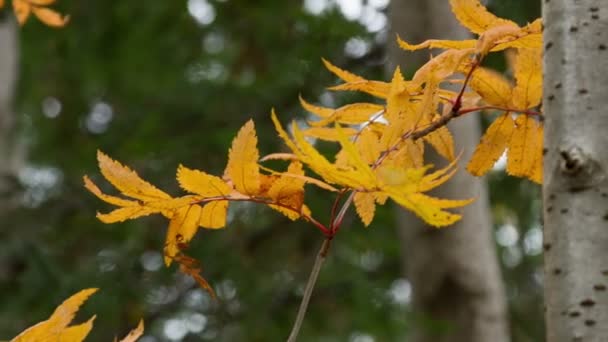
x,y
454,271
8,76
575,190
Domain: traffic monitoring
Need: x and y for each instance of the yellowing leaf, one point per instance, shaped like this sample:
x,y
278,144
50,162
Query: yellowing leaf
x,y
529,79
56,327
474,16
243,157
441,66
213,214
288,192
493,87
342,74
201,183
127,181
375,88
316,110
22,10
50,17
368,145
182,227
437,44
352,114
492,145
442,141
424,207
495,35
326,133
135,333
524,148
366,206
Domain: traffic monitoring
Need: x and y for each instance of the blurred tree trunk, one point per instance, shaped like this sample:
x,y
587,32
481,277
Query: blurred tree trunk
x,y
8,76
575,190
454,271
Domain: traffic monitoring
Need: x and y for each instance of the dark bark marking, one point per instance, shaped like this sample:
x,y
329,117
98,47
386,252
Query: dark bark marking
x,y
548,45
599,287
557,271
547,246
595,16
587,303
557,86
563,211
589,322
551,97
574,314
601,47
573,29
594,9
549,208
583,91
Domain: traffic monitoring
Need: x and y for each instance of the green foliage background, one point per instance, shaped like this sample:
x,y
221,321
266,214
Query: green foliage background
x,y
152,87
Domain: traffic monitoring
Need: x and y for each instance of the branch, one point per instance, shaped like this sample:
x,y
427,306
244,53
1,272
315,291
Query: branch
x,y
310,285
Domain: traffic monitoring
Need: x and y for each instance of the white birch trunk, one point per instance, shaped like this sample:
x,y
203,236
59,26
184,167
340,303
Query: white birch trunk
x,y
575,190
454,271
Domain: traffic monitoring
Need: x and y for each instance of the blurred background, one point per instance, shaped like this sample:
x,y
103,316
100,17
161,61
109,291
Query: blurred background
x,y
155,84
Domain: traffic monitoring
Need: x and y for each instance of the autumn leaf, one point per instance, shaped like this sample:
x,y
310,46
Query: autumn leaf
x,y
242,168
23,9
135,333
56,327
366,206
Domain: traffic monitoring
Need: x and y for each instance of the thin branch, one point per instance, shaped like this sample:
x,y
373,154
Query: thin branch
x,y
310,285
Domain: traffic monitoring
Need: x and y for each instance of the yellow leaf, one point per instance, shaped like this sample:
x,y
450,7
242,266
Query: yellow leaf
x,y
306,179
1,3
352,114
366,206
127,181
442,141
182,227
135,333
524,148
279,156
201,183
437,44
316,110
492,145
354,158
74,333
368,145
41,2
213,214
107,198
243,157
22,10
438,177
529,79
493,87
308,155
289,192
56,327
495,35
50,17
326,133
474,16
423,206
441,66
342,74
375,88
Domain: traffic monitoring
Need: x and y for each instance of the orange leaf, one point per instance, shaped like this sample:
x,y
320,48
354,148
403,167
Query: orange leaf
x,y
22,10
50,17
135,333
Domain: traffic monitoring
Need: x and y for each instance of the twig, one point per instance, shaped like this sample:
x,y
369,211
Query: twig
x,y
310,285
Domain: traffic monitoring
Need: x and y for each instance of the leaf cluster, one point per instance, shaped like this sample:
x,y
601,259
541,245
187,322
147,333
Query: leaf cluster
x,y
381,146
